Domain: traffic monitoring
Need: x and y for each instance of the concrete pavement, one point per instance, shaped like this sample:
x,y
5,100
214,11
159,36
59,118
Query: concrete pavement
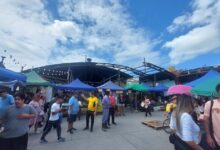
x,y
128,134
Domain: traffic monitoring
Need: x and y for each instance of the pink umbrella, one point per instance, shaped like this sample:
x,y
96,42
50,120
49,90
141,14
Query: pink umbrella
x,y
179,89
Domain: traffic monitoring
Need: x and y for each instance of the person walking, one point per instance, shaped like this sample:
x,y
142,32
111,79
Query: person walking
x,y
183,124
35,121
112,108
42,102
105,110
72,113
121,104
16,124
91,111
147,107
54,120
212,122
47,109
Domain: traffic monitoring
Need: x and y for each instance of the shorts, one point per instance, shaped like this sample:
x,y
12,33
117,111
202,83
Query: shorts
x,y
71,118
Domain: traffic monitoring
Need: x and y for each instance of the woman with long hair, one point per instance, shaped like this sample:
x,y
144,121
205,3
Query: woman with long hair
x,y
183,124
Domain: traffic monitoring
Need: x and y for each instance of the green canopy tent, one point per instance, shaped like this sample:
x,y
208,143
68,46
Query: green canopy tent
x,y
137,87
36,80
207,88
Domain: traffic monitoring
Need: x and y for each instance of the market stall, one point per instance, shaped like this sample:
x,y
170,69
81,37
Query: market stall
x,y
110,86
207,88
211,74
11,79
76,85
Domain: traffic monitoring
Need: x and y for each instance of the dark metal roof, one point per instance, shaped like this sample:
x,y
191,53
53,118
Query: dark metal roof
x,y
183,76
193,74
88,72
156,73
98,73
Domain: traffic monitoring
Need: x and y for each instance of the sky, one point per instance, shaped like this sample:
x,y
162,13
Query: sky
x,y
184,34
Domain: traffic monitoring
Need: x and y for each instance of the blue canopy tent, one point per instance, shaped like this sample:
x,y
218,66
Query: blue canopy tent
x,y
11,84
159,88
211,74
76,85
146,86
8,75
111,86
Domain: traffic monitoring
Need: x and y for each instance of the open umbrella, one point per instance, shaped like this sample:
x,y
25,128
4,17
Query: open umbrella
x,y
179,89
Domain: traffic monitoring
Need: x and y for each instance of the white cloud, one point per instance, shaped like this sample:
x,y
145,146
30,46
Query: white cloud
x,y
28,34
65,55
203,35
23,32
200,40
107,28
101,29
63,30
204,12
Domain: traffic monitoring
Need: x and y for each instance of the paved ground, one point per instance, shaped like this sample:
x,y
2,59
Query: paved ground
x,y
128,134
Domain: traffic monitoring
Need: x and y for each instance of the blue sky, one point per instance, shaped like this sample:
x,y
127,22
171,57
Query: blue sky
x,y
185,34
156,15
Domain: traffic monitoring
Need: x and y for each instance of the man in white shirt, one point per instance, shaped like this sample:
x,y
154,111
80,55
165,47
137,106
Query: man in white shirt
x,y
54,121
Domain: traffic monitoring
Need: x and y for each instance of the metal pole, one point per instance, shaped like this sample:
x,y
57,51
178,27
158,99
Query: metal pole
x,y
119,77
68,74
155,79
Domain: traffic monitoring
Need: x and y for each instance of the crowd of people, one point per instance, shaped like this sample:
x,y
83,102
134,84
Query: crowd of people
x,y
195,124
18,115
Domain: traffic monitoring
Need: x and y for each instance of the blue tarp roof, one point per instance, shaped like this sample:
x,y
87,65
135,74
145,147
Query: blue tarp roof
x,y
146,86
111,86
8,75
76,85
207,76
159,88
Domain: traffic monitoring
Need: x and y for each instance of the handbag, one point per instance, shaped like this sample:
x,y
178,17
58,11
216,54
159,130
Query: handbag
x,y
178,143
172,138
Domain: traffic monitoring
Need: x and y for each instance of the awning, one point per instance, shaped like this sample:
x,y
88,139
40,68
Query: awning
x,y
211,74
8,75
207,88
137,87
34,79
110,86
75,85
159,88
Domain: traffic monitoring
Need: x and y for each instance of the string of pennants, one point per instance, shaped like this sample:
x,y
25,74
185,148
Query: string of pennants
x,y
44,71
14,60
